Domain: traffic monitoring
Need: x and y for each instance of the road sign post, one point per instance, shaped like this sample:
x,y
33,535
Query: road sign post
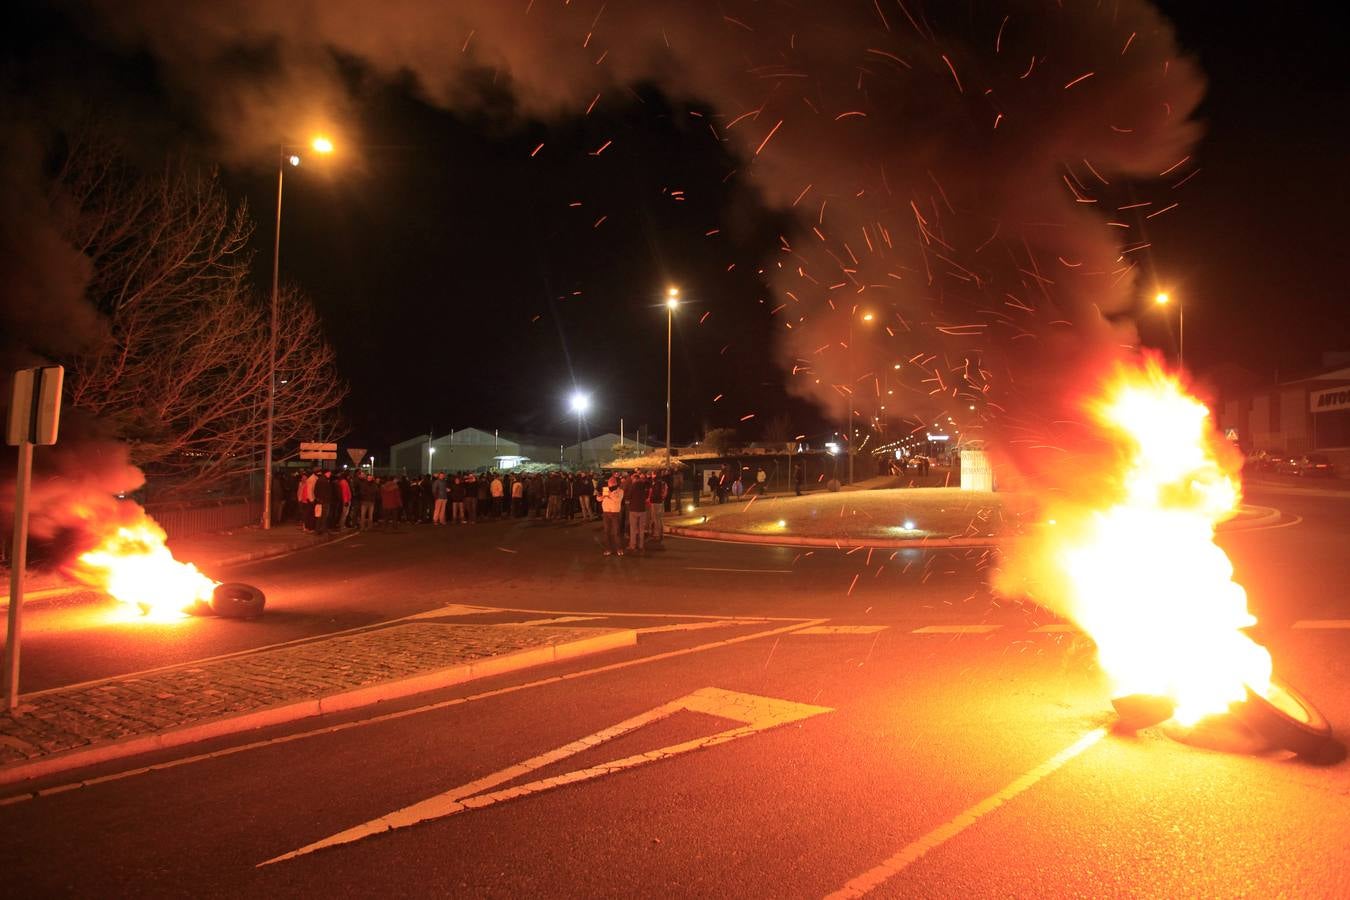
x,y
318,451
34,415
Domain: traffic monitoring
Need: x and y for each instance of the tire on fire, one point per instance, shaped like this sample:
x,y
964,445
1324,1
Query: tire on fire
x,y
236,600
1287,719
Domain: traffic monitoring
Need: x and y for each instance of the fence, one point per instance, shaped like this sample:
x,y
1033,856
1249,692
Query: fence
x,y
180,520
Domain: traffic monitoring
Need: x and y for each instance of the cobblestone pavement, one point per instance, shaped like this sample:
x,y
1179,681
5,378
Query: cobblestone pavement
x,y
113,709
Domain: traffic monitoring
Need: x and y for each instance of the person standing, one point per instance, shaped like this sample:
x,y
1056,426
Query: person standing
x,y
457,501
323,501
611,507
345,495
498,491
439,495
585,494
391,501
471,500
761,480
637,514
656,501
367,490
799,478
517,497
306,496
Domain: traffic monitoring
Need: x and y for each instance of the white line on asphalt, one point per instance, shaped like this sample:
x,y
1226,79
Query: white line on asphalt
x,y
1322,623
1058,628
755,713
843,629
741,571
956,629
913,851
418,710
558,620
696,626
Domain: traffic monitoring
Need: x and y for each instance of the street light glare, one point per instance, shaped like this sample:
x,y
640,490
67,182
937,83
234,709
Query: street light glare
x,y
322,144
293,159
1162,299
867,317
580,403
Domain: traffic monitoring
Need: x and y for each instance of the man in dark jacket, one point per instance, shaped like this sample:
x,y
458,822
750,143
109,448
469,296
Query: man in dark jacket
x,y
323,501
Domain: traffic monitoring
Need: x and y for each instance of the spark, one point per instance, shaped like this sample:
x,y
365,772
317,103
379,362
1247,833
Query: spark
x,y
771,133
955,77
535,151
1083,77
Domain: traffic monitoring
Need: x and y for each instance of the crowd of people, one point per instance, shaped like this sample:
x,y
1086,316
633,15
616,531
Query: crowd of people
x,y
322,500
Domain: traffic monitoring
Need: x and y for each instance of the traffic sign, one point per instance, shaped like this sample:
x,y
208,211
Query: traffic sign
x,y
357,454
35,406
319,447
318,454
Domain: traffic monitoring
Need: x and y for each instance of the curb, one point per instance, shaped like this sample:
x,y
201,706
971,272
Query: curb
x,y
1269,515
36,599
345,701
788,540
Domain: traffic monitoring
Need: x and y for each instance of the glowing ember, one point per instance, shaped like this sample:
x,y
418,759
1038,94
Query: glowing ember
x,y
132,564
1132,558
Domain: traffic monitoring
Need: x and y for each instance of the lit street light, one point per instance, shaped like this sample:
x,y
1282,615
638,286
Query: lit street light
x,y
580,403
1162,299
672,301
323,145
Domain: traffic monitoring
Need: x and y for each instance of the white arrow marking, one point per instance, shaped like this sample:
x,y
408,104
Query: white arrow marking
x,y
757,713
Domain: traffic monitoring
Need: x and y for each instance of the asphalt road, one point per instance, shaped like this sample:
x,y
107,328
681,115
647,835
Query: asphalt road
x,y
969,763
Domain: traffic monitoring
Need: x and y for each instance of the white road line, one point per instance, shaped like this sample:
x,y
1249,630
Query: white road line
x,y
402,714
1322,623
739,571
912,852
755,713
697,626
842,629
1058,628
956,629
555,621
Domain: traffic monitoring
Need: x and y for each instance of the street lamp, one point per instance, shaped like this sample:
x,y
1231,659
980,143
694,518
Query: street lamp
x,y
866,317
580,403
672,301
431,458
1162,299
323,145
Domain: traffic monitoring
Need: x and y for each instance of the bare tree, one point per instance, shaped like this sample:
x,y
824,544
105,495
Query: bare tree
x,y
183,373
778,430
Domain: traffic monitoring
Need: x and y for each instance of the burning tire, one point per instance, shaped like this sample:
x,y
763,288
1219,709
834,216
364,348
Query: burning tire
x,y
236,600
1287,719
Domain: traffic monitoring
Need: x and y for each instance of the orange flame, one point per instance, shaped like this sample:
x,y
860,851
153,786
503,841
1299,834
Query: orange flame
x,y
133,565
1132,559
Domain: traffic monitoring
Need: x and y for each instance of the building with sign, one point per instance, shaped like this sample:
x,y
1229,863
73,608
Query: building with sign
x,y
1293,417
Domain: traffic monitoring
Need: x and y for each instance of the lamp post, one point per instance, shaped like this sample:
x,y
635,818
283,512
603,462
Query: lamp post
x,y
320,145
580,403
672,301
866,317
1162,299
431,458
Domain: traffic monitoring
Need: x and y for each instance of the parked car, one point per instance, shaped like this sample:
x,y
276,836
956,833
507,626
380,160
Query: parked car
x,y
1311,465
1261,461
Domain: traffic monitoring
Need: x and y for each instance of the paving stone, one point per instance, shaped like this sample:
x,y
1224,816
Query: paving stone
x,y
64,719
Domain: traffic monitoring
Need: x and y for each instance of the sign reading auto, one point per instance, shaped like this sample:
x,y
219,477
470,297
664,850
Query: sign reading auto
x,y
1329,399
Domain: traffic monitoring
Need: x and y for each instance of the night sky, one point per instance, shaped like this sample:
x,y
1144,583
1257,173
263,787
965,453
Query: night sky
x,y
469,276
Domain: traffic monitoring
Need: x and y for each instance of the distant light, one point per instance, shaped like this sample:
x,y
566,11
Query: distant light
x,y
689,508
909,525
782,523
972,406
322,144
897,365
580,402
1162,299
867,317
672,297
293,160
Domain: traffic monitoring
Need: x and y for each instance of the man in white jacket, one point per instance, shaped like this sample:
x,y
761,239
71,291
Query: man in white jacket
x,y
611,505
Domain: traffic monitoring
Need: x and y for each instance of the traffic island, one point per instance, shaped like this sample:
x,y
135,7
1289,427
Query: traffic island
x,y
83,725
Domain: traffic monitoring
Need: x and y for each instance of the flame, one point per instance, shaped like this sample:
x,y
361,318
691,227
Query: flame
x,y
133,564
1130,554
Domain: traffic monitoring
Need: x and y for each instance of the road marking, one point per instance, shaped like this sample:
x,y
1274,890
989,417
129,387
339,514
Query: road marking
x,y
1322,623
740,571
557,621
405,713
956,629
755,714
454,609
842,629
696,626
1058,628
912,852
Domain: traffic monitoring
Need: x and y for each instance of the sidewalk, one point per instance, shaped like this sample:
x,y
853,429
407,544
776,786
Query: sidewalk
x,y
209,552
86,724
881,517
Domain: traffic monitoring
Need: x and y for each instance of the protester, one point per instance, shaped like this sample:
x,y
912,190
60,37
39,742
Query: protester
x,y
391,502
611,507
637,496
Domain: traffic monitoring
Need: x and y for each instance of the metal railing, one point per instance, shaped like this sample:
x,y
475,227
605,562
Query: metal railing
x,y
180,520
